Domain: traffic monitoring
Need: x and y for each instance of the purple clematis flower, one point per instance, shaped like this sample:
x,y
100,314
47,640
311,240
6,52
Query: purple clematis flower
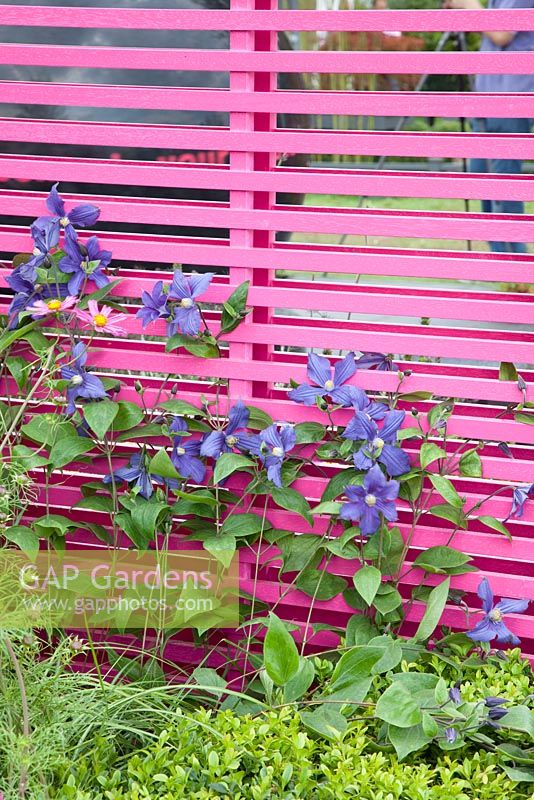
x,y
455,695
492,626
324,383
185,452
520,496
272,445
154,305
378,445
82,383
225,441
450,735
367,502
85,263
376,360
186,289
134,473
45,236
83,215
359,400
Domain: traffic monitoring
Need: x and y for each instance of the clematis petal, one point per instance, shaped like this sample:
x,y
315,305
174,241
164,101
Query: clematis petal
x,y
54,202
91,388
484,631
188,320
306,394
343,395
79,353
369,520
249,442
360,427
213,445
271,436
288,437
351,511
361,460
376,410
392,422
76,282
237,418
319,370
345,369
394,459
274,471
354,492
374,481
179,288
387,508
84,215
485,594
504,634
509,606
199,283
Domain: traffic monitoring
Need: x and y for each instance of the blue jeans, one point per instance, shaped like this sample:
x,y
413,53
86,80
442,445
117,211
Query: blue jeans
x,y
503,166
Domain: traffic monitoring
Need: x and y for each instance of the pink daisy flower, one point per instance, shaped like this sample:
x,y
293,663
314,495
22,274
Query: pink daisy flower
x,y
102,319
42,308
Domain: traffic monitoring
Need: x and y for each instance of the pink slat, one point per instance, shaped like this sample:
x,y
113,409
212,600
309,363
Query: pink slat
x,y
420,63
367,222
455,265
348,142
351,182
237,20
309,102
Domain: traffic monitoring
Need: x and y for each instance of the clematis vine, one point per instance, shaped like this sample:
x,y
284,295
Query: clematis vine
x,y
378,445
83,216
103,319
231,437
272,446
186,289
135,474
186,451
492,626
81,383
325,383
368,502
85,263
520,496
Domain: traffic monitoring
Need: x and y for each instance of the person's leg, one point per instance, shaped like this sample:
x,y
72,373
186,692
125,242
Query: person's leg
x,y
480,164
507,166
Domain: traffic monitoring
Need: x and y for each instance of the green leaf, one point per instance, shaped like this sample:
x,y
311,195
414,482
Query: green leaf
x,y
205,676
446,490
320,584
67,449
146,517
182,408
161,464
360,630
234,310
385,548
471,464
408,433
408,740
434,609
330,507
520,718
280,653
258,419
430,452
197,346
9,337
416,396
28,458
352,677
100,416
430,726
96,502
128,416
387,599
19,369
229,463
146,431
392,654
325,721
494,524
440,414
526,419
26,539
336,485
411,488
98,294
299,552
55,523
309,432
299,684
440,559
451,513
223,547
242,524
519,774
367,582
507,371
398,707
292,500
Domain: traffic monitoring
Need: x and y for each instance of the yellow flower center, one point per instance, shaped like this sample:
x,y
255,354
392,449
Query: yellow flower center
x,y
64,221
100,320
370,500
36,251
329,385
495,615
180,451
231,440
54,305
378,442
278,452
186,302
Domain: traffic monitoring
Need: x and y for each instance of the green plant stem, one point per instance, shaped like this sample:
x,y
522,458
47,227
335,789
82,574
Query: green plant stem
x,y
23,780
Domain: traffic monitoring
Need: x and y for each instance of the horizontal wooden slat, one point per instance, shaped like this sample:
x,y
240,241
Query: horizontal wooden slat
x,y
399,143
359,62
170,19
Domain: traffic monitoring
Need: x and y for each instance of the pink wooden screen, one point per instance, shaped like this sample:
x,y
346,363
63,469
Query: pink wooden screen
x,y
476,329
